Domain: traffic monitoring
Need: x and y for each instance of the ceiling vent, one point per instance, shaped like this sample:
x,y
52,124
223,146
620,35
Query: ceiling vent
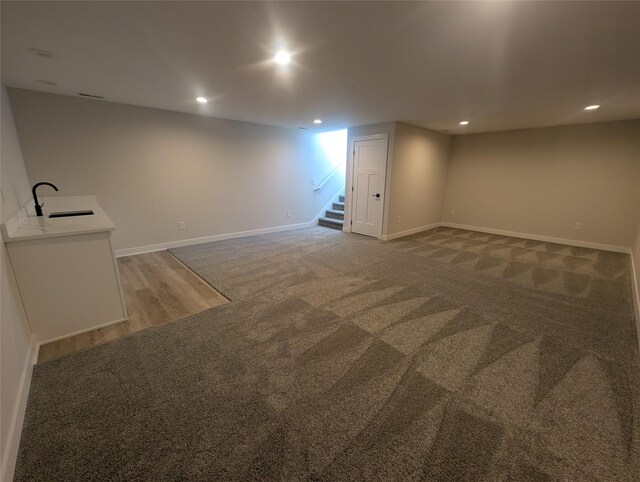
x,y
41,53
91,96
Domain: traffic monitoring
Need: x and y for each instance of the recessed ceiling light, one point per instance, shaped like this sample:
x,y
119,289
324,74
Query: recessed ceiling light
x,y
282,58
464,123
592,107
41,53
317,121
202,100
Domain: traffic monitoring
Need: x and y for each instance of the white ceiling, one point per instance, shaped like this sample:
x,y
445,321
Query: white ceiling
x,y
500,65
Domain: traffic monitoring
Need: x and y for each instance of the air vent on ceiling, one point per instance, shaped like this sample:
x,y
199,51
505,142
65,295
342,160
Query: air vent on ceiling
x,y
303,128
90,96
41,53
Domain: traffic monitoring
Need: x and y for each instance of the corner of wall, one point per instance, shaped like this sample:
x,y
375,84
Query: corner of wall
x,y
447,180
635,286
391,153
418,171
10,449
450,139
635,278
19,348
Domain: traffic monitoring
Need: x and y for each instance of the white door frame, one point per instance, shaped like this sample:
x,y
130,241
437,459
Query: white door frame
x,y
349,180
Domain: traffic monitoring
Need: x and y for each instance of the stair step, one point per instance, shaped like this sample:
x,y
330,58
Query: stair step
x,y
331,223
341,199
334,214
338,206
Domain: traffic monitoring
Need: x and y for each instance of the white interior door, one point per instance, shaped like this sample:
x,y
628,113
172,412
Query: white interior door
x,y
369,170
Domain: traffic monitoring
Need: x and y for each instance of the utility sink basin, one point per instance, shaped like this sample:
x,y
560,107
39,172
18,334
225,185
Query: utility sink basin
x,y
68,214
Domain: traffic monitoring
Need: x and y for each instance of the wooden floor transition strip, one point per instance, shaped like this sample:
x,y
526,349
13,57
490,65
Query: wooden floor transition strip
x,y
157,288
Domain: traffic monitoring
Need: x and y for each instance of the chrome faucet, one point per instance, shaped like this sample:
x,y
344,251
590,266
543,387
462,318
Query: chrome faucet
x,y
38,206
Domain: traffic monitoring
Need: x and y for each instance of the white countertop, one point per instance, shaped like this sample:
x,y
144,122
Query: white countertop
x,y
25,226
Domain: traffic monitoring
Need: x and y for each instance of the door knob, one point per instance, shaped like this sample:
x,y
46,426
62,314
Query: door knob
x,y
375,195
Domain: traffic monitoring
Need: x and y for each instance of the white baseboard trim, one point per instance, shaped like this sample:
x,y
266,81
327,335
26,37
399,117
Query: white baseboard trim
x,y
219,237
314,221
635,286
401,234
538,237
79,332
207,239
10,451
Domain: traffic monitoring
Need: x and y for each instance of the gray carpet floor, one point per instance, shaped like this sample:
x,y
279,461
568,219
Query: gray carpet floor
x,y
447,355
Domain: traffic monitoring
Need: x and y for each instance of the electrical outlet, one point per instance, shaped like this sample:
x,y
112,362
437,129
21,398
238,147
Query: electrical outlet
x,y
398,221
453,212
288,214
313,181
578,227
182,225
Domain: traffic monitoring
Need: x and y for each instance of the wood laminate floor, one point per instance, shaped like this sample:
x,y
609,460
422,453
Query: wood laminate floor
x,y
157,288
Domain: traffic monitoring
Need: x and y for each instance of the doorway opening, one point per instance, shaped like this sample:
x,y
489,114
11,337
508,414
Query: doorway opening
x,y
331,153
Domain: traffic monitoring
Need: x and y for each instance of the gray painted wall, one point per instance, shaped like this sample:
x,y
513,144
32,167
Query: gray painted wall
x,y
152,168
15,333
543,181
420,164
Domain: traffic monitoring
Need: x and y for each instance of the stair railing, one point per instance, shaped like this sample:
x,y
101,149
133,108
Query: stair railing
x,y
324,181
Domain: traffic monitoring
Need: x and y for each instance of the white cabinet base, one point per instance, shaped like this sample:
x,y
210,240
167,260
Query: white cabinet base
x,y
68,284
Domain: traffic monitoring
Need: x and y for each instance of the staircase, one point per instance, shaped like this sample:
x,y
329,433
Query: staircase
x,y
334,218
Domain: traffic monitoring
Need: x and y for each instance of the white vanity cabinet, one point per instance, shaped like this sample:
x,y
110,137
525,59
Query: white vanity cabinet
x,y
65,268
